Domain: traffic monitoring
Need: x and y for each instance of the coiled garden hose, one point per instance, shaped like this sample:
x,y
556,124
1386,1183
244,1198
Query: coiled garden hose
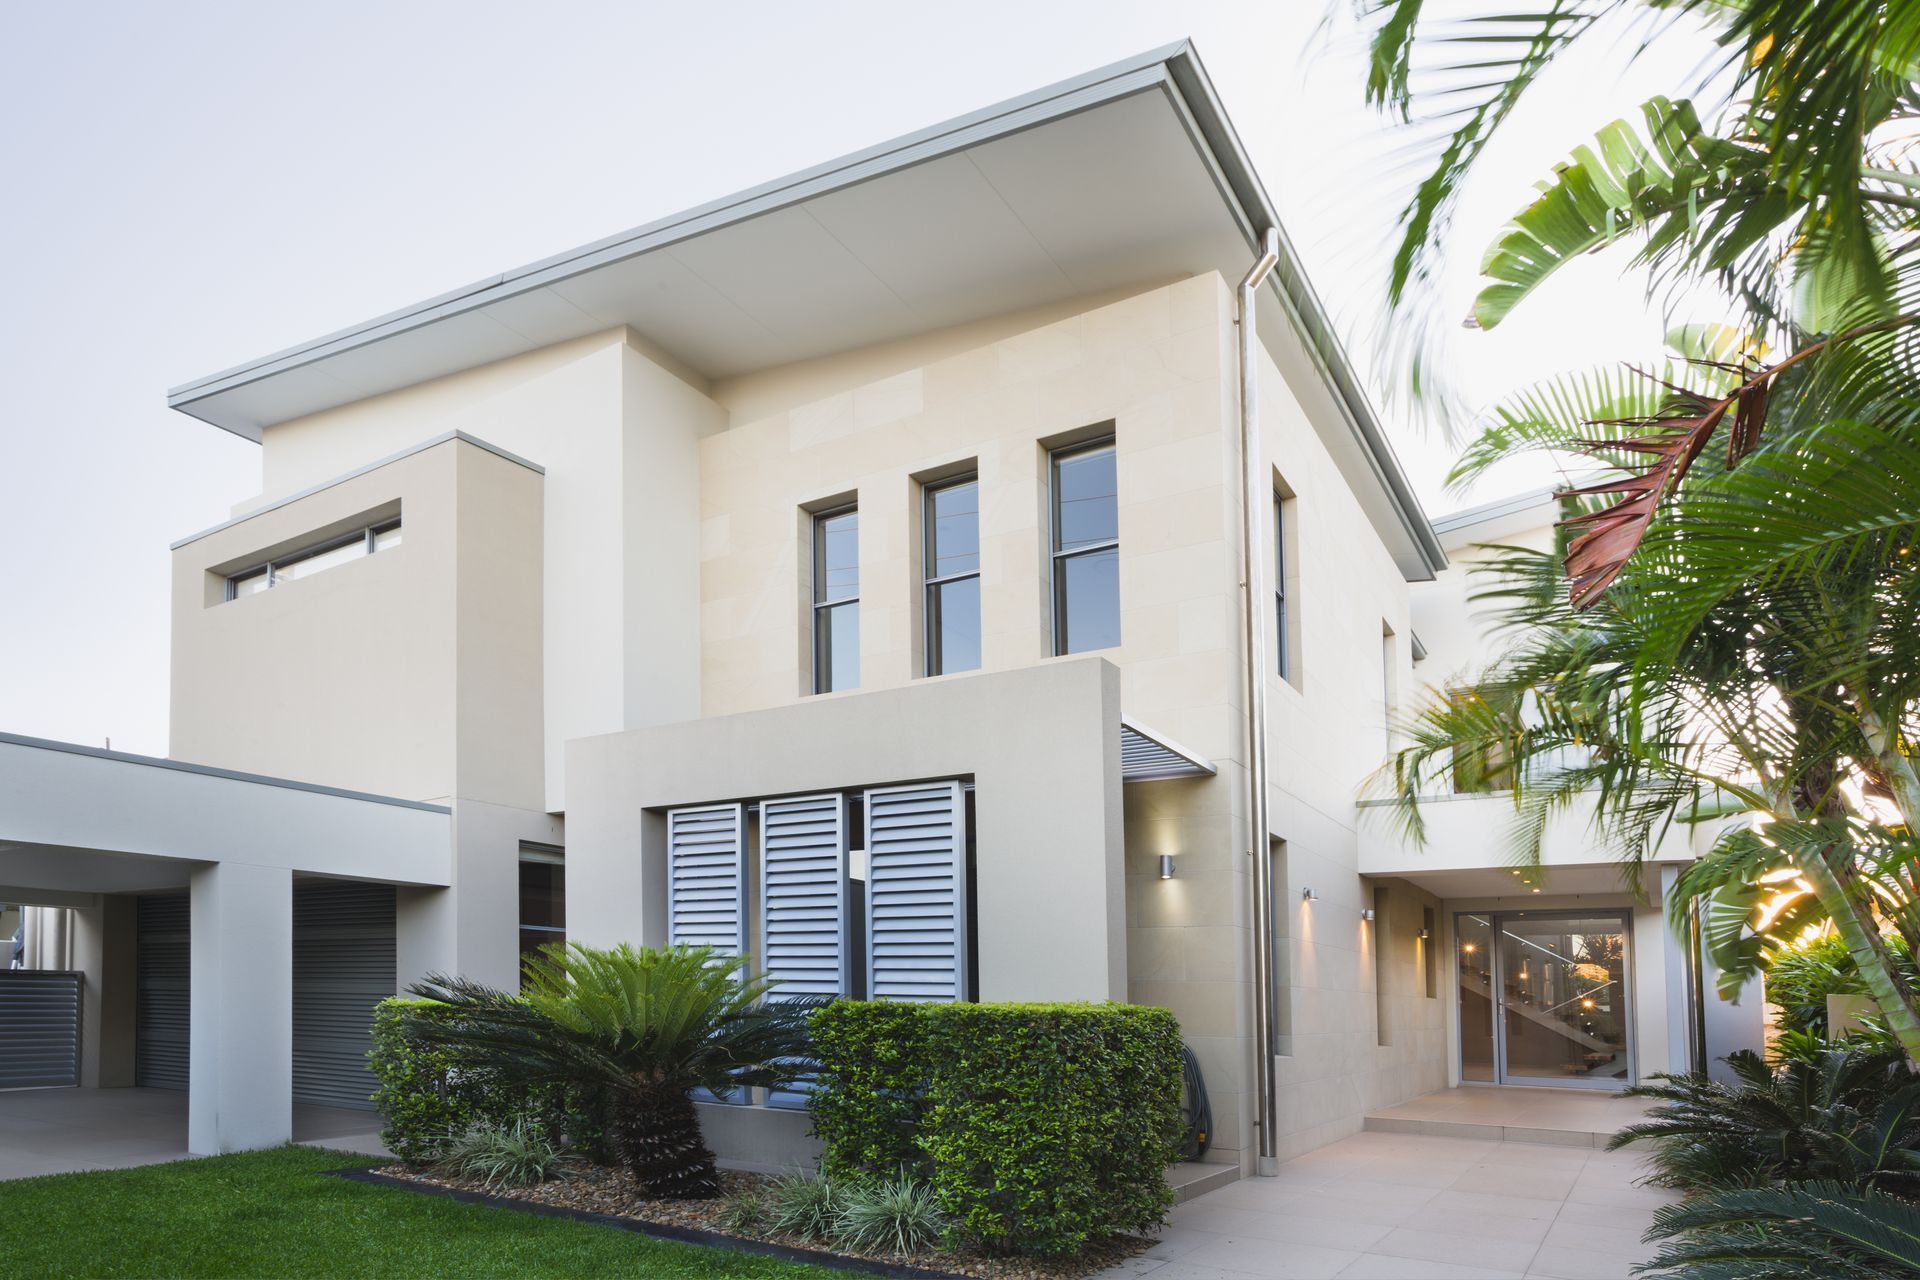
x,y
1195,1109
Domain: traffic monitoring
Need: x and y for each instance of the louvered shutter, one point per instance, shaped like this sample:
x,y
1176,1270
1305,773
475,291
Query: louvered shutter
x,y
917,892
707,877
803,895
707,889
803,907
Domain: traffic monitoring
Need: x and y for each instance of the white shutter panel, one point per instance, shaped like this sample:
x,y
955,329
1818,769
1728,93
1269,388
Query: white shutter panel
x,y
803,895
917,892
707,877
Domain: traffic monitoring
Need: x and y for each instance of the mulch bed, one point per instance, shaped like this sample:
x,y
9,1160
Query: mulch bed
x,y
611,1193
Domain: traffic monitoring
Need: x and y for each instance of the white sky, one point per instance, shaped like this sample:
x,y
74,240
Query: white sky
x,y
190,185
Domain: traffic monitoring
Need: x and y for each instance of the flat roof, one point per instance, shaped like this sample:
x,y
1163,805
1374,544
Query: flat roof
x,y
1130,175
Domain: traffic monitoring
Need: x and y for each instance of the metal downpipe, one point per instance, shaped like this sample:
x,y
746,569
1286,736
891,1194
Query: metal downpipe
x,y
1253,502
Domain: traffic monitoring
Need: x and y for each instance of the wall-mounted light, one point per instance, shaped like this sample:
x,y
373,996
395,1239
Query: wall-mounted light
x,y
1426,935
1166,866
1308,895
1366,913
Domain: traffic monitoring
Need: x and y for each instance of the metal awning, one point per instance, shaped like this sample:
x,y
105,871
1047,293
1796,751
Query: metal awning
x,y
1146,756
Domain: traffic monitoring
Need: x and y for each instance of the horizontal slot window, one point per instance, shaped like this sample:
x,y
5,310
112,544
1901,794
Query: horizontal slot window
x,y
307,561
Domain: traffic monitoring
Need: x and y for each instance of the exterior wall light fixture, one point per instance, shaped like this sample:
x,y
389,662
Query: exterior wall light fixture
x,y
1308,895
1166,866
1366,913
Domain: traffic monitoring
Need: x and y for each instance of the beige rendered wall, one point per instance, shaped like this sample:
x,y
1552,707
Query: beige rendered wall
x,y
614,425
413,672
1048,886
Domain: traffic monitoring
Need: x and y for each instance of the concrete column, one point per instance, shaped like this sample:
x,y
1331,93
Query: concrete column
x,y
240,1088
104,942
1679,987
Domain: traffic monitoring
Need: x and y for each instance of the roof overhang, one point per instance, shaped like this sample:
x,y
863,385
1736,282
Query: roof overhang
x,y
1128,176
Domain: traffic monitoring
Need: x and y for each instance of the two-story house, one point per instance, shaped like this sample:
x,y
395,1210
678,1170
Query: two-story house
x,y
849,573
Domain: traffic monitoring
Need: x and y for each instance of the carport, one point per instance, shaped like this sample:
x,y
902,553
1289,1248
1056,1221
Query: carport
x,y
262,903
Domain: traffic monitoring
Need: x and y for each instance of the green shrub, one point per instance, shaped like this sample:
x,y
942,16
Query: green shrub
x,y
896,1215
803,1205
1844,1114
1799,981
872,1087
429,1099
1040,1126
519,1154
744,1211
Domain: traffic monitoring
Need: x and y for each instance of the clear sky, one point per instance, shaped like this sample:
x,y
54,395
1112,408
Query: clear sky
x,y
190,185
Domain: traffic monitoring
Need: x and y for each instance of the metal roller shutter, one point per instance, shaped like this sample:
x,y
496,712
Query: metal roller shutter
x,y
39,1028
343,965
917,892
162,983
707,877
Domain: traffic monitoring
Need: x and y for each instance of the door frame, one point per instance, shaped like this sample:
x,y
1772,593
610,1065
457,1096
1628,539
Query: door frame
x,y
1629,990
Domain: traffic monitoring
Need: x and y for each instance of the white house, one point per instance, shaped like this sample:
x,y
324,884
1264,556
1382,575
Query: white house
x,y
848,572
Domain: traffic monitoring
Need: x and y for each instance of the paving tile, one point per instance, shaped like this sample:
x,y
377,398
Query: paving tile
x,y
1577,1264
1509,1180
1176,1242
1271,1259
1316,1229
1474,1203
1596,1237
1380,1266
1463,1251
1626,1196
1631,1223
1481,1226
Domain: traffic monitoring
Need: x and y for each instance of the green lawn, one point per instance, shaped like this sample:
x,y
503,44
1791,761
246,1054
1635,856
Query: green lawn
x,y
272,1213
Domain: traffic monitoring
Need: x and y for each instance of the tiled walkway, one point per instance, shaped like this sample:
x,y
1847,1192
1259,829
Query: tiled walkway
x,y
65,1130
1422,1207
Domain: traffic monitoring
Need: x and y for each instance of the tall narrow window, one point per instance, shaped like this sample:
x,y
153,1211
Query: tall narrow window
x,y
1282,656
543,897
951,533
836,600
1086,549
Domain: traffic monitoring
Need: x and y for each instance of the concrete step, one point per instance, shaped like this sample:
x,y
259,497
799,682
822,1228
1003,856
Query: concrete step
x,y
1192,1178
1555,1137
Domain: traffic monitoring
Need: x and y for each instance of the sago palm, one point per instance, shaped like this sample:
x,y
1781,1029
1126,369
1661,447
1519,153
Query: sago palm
x,y
643,1029
1806,1231
1842,1113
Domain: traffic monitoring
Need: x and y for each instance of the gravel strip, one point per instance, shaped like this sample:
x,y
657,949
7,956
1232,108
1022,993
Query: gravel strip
x,y
596,1189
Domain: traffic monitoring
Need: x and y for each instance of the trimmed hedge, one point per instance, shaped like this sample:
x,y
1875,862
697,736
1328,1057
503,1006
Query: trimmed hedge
x,y
1041,1126
428,1099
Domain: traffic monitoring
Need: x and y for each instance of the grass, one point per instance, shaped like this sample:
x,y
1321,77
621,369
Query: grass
x,y
272,1213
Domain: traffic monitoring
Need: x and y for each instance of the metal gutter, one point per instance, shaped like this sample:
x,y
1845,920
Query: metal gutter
x,y
1296,294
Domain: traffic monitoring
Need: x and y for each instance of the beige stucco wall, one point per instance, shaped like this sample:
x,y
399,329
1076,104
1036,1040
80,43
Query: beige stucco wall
x,y
413,672
671,587
614,425
1048,888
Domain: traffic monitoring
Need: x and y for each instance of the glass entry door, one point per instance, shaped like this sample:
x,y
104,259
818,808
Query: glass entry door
x,y
1543,998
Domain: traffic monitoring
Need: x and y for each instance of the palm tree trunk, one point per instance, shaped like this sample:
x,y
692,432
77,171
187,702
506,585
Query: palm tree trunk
x,y
1869,951
657,1132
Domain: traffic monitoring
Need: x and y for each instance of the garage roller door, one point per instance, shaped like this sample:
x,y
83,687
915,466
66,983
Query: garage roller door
x,y
343,965
161,987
